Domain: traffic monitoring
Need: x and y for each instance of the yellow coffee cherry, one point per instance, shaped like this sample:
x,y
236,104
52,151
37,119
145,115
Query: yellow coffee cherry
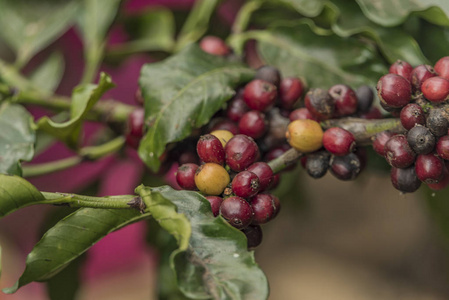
x,y
211,179
223,135
305,135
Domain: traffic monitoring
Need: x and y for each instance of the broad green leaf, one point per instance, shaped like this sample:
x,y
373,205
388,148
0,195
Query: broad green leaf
x,y
17,137
394,12
15,193
83,99
434,41
305,7
216,263
325,60
48,75
29,26
197,23
70,238
182,93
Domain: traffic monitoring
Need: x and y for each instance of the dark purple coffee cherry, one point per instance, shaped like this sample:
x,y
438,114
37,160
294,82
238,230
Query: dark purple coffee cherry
x,y
436,89
263,172
420,74
253,124
225,124
394,90
443,147
429,168
263,208
236,109
188,156
253,235
317,163
185,176
345,99
214,45
237,211
245,184
379,141
398,152
338,141
241,152
442,67
210,149
402,68
345,167
269,74
365,97
437,122
421,140
411,115
373,113
301,114
215,203
319,103
290,90
259,94
405,180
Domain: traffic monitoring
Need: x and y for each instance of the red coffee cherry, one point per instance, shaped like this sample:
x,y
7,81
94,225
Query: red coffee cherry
x,y
263,208
263,172
379,141
442,67
442,183
443,147
301,114
411,115
338,141
344,98
236,109
402,68
245,184
241,152
275,181
225,124
405,180
259,94
429,168
436,89
290,90
398,152
214,45
420,74
185,176
210,149
215,203
319,103
253,124
237,212
394,90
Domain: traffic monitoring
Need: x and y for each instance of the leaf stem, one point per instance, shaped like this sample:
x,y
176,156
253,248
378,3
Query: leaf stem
x,y
74,200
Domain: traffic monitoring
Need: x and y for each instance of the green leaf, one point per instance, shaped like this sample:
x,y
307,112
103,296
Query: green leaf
x,y
15,193
216,263
297,50
65,284
197,23
394,12
305,7
47,76
29,26
17,137
70,238
83,99
434,41
182,93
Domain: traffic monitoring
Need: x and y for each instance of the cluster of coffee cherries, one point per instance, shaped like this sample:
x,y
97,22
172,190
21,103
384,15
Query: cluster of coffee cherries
x,y
418,96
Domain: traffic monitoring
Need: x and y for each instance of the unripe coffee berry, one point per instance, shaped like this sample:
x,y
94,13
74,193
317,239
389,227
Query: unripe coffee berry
x,y
210,149
185,176
394,90
429,168
345,100
237,211
211,179
259,94
214,45
338,141
241,152
223,135
253,124
263,172
215,203
436,89
405,180
398,152
305,135
245,184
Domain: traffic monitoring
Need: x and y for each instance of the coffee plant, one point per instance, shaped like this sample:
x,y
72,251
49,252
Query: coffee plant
x,y
224,110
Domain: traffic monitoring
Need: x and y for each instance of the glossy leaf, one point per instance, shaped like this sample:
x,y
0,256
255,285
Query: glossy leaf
x,y
83,99
182,93
70,238
216,264
47,76
29,26
15,193
17,137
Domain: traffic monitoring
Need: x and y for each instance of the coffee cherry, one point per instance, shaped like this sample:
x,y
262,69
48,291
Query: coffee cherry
x,y
226,124
210,149
275,181
185,176
398,152
420,74
290,90
345,100
429,168
394,111
436,89
443,147
379,141
263,208
215,203
211,179
402,68
345,167
138,97
263,172
214,45
236,109
442,183
253,235
237,212
373,113
253,124
301,114
437,122
223,135
305,135
136,121
245,184
421,140
276,205
338,141
442,67
241,152
317,164
362,154
269,74
411,115
188,156
394,90
259,94
365,97
319,103
405,180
